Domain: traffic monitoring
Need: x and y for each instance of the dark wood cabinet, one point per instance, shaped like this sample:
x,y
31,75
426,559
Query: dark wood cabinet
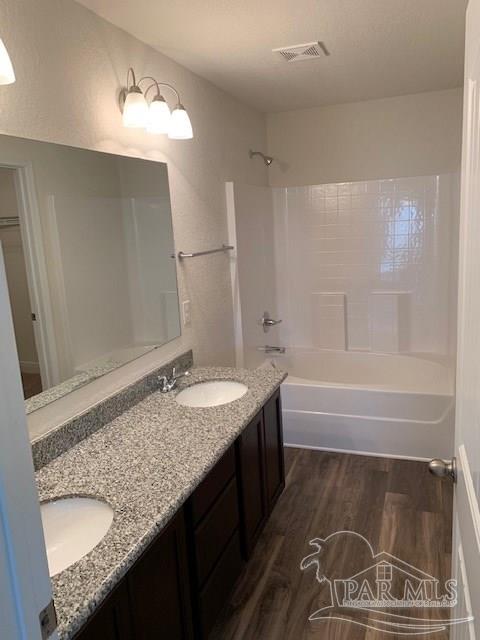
x,y
251,471
216,560
158,586
214,532
274,459
261,470
112,619
212,485
219,585
178,586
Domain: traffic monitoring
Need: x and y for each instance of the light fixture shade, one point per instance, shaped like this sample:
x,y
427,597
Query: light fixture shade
x,y
180,125
159,116
7,75
135,109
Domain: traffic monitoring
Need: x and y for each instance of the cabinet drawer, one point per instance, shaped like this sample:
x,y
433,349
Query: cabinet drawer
x,y
218,587
211,487
213,533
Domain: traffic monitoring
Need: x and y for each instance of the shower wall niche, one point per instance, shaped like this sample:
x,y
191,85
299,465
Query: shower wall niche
x,y
368,266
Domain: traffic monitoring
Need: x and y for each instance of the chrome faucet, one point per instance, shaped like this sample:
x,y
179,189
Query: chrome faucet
x,y
169,383
269,349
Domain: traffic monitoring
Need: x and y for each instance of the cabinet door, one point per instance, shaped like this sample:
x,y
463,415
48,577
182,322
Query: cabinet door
x,y
159,587
251,482
274,460
219,585
112,620
211,537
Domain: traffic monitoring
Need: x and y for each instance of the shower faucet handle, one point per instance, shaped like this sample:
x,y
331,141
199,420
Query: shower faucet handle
x,y
266,321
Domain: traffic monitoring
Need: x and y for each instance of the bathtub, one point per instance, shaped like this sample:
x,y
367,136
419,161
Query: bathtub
x,y
375,404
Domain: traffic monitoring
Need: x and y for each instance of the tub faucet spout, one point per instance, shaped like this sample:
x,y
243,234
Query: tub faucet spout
x,y
269,349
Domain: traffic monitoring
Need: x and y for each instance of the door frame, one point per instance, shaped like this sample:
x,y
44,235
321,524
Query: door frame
x,y
466,507
36,267
24,580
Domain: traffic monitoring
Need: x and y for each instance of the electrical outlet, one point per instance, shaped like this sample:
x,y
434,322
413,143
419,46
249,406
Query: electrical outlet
x,y
187,316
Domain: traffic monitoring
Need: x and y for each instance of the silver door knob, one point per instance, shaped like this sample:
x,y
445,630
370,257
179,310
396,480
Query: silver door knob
x,y
443,468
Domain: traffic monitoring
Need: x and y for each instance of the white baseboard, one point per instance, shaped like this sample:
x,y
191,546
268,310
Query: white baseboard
x,y
29,367
369,454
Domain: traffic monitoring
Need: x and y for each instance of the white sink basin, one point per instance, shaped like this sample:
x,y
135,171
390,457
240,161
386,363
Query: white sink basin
x,y
72,527
211,394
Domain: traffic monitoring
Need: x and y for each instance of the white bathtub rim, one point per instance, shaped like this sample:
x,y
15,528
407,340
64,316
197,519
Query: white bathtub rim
x,y
444,360
307,382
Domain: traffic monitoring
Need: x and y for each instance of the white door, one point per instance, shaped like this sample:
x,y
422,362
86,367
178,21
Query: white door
x,y
25,588
466,551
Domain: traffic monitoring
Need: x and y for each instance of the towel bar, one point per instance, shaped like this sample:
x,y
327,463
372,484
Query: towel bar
x,y
224,247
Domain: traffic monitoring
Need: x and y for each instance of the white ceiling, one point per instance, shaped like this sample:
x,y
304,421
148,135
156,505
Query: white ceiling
x,y
379,48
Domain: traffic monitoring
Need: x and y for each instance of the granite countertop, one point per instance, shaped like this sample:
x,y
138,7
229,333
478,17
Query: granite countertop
x,y
145,464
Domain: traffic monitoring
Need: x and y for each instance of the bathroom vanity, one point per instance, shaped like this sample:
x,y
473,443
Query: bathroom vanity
x,y
151,501
191,489
181,582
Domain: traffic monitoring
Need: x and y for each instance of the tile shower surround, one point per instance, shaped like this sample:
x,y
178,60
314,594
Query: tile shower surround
x,y
363,239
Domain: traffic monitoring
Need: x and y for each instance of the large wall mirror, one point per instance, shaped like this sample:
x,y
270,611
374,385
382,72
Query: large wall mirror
x,y
88,248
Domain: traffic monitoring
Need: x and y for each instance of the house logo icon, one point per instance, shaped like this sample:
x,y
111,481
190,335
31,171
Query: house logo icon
x,y
377,590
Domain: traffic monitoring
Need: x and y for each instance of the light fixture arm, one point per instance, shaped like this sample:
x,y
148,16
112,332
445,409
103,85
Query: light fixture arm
x,y
131,72
154,83
157,84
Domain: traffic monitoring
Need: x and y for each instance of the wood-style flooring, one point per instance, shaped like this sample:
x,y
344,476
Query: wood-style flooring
x,y
32,384
397,505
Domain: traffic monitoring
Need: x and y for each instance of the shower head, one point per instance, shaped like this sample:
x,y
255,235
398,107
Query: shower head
x,y
267,159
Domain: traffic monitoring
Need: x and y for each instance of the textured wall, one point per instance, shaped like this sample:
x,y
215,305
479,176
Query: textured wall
x,y
414,135
69,66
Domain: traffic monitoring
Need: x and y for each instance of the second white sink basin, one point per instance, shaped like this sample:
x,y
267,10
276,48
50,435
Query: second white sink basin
x,y
72,527
211,394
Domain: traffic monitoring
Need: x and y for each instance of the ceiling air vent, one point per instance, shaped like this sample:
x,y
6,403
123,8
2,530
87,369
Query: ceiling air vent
x,y
307,51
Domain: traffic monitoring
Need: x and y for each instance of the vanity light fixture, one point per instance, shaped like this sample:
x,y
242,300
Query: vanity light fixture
x,y
135,107
180,126
154,116
7,75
